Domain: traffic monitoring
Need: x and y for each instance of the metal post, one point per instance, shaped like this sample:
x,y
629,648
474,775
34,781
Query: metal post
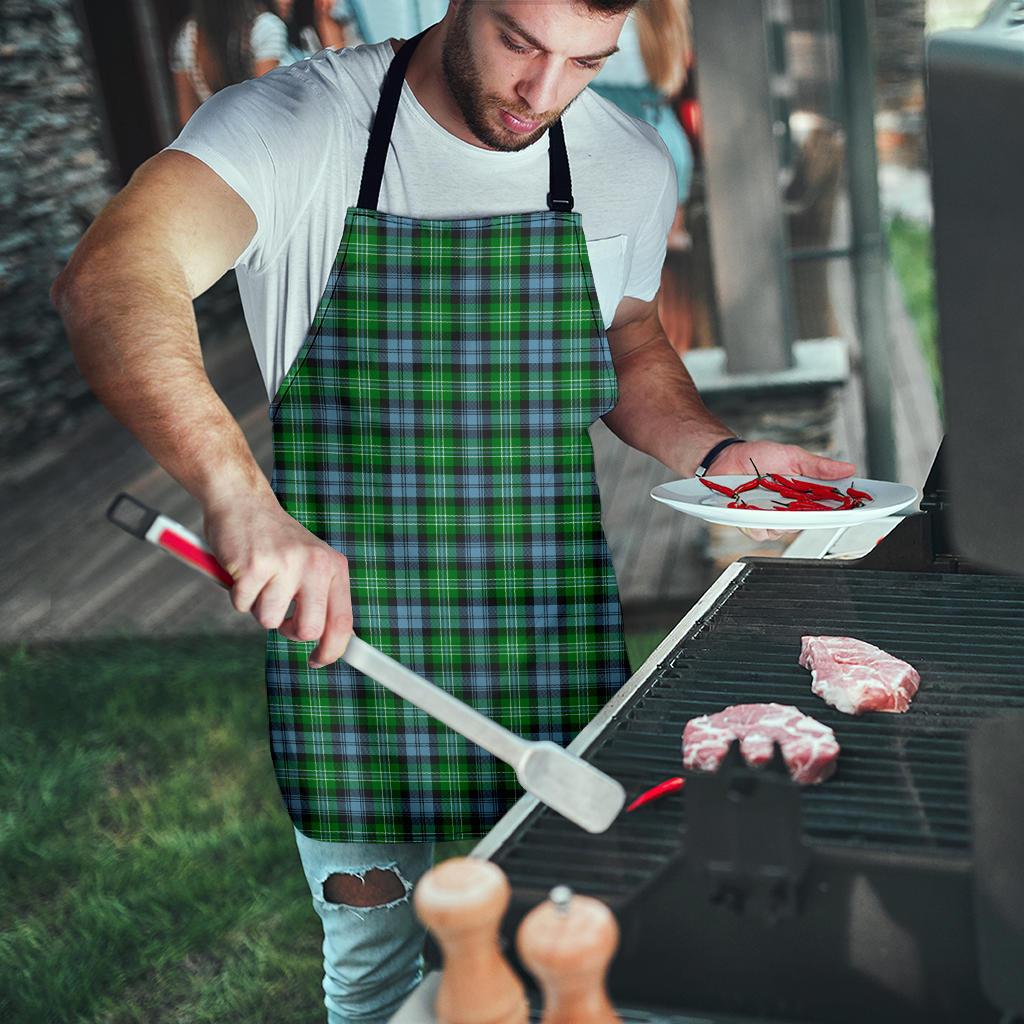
x,y
868,241
744,202
154,63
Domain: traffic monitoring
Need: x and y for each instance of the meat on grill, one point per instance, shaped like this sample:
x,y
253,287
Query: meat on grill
x,y
808,747
855,677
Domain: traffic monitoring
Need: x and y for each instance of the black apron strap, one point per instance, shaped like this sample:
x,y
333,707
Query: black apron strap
x,y
383,122
559,187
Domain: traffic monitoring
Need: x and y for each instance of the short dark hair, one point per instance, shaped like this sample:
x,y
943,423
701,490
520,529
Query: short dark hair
x,y
608,7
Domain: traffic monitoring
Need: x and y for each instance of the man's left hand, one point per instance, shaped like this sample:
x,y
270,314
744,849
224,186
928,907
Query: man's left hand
x,y
771,457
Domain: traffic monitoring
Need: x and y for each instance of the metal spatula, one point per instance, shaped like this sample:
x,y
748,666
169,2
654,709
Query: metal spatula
x,y
566,783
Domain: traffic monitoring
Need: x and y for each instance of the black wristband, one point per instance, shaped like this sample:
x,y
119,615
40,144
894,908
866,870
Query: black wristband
x,y
705,463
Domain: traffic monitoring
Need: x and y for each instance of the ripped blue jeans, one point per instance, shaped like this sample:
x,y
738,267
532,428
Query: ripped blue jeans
x,y
373,956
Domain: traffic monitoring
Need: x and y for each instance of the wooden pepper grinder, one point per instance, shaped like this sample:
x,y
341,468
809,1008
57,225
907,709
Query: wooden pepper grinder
x,y
462,902
567,943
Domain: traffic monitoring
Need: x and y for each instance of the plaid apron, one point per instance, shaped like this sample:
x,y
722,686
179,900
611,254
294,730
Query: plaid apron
x,y
433,428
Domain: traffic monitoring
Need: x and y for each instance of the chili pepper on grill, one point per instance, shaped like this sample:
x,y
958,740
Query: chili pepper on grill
x,y
668,786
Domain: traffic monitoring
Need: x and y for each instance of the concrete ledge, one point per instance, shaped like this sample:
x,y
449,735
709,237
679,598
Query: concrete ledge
x,y
819,363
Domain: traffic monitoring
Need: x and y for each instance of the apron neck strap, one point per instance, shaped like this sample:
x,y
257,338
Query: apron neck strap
x,y
560,185
383,122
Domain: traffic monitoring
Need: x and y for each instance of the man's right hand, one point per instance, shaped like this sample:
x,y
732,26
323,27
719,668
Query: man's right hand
x,y
274,560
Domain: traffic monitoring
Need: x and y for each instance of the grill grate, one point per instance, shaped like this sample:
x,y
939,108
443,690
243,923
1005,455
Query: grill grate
x,y
901,785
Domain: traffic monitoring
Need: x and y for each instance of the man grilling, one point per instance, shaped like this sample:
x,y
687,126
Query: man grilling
x,y
440,308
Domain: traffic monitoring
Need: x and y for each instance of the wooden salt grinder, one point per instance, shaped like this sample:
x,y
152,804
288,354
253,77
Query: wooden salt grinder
x,y
567,943
462,902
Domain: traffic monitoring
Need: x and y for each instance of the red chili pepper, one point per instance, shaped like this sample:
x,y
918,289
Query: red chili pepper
x,y
809,487
721,489
750,485
786,492
862,495
807,505
668,786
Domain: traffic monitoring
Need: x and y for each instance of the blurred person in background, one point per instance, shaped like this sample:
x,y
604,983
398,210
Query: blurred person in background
x,y
314,25
644,79
221,43
648,73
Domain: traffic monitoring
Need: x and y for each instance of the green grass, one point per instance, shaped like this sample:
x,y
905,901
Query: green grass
x,y
641,645
149,870
910,247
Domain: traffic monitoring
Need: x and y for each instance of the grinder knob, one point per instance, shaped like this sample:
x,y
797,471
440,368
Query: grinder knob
x,y
462,902
567,943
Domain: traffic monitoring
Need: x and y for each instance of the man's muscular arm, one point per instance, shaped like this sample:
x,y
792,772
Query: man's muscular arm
x,y
660,412
126,301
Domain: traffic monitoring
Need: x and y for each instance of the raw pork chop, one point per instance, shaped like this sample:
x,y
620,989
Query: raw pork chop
x,y
808,747
855,677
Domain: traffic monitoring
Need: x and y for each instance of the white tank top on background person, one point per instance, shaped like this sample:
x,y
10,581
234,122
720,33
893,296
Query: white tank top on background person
x,y
268,40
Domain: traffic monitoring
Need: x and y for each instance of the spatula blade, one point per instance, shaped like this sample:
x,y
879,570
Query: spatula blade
x,y
571,786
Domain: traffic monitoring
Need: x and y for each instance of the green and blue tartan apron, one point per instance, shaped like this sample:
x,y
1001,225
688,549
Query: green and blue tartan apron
x,y
434,429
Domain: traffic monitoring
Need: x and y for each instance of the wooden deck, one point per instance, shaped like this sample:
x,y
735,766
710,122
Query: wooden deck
x,y
69,573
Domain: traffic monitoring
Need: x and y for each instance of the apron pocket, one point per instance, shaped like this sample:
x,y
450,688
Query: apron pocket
x,y
608,265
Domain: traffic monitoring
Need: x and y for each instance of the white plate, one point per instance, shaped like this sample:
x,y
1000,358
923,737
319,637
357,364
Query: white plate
x,y
693,498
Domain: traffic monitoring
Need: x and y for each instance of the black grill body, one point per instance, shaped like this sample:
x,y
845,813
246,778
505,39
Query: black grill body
x,y
847,901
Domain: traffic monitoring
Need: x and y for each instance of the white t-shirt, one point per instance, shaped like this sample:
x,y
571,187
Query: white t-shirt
x,y
292,144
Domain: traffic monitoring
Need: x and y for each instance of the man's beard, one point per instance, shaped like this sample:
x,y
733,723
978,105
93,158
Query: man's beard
x,y
464,83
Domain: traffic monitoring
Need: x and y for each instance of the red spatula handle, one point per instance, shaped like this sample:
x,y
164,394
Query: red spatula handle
x,y
147,524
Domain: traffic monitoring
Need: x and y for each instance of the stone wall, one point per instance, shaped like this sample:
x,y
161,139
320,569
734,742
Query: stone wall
x,y
899,81
54,178
899,53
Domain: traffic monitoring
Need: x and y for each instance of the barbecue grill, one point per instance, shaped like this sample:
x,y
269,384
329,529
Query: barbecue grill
x,y
747,897
895,890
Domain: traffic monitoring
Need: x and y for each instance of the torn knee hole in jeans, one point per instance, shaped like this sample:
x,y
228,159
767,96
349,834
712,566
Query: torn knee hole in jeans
x,y
375,888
